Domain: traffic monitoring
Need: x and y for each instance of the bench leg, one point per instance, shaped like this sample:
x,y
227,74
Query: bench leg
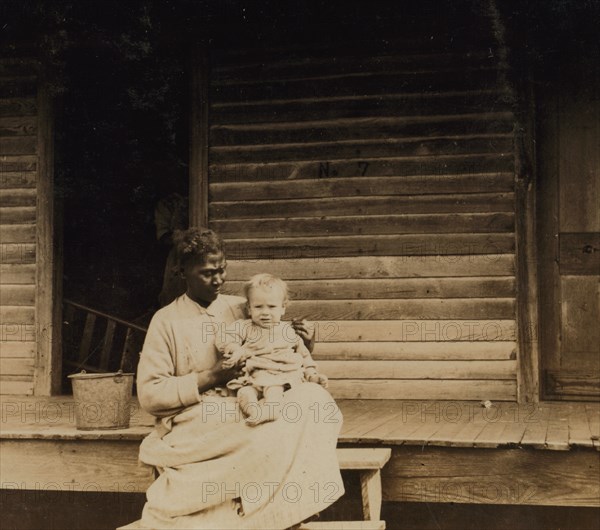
x,y
370,487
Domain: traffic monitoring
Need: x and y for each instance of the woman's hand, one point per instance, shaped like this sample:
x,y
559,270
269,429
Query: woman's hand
x,y
306,331
218,374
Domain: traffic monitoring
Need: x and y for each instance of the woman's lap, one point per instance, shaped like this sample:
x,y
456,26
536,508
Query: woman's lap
x,y
283,471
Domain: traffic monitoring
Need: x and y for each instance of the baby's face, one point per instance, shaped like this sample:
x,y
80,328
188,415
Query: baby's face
x,y
266,306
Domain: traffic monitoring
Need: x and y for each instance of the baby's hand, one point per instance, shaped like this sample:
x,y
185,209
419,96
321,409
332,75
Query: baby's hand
x,y
316,377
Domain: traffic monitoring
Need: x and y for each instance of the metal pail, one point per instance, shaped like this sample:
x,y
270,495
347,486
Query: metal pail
x,y
102,401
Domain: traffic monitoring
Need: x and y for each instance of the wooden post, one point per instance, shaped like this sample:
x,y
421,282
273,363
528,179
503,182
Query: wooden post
x,y
48,365
199,137
528,377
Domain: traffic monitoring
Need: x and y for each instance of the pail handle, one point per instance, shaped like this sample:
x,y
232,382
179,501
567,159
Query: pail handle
x,y
118,378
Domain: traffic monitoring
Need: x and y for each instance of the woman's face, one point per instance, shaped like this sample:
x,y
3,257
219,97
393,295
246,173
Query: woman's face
x,y
204,279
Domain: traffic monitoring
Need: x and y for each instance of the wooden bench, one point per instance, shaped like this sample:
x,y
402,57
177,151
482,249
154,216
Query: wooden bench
x,y
368,462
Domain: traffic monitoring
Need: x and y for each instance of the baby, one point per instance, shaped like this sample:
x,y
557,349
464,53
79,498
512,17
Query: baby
x,y
275,356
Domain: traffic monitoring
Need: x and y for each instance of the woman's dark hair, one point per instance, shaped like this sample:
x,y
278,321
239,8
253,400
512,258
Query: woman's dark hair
x,y
195,244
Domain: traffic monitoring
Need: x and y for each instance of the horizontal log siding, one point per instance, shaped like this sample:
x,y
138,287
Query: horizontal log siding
x,y
18,181
382,189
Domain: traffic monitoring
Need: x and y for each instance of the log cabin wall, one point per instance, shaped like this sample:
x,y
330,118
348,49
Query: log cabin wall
x,y
380,184
27,365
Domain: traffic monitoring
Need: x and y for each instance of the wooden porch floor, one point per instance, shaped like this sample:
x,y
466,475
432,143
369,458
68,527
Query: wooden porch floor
x,y
442,451
547,425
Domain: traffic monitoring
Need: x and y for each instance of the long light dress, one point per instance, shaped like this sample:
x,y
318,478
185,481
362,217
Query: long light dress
x,y
216,471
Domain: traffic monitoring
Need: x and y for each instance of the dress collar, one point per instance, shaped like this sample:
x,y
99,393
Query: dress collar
x,y
211,310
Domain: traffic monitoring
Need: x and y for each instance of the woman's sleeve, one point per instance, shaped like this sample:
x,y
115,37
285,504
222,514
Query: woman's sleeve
x,y
307,360
160,391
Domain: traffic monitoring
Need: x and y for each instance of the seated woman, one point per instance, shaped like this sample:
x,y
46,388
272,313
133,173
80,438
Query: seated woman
x,y
215,470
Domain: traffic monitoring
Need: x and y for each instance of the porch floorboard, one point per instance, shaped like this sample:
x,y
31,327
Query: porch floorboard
x,y
442,451
546,425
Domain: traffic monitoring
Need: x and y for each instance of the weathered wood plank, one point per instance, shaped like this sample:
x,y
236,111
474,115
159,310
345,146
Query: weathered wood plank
x,y
361,187
48,369
375,267
398,428
18,66
18,126
12,87
367,149
362,225
391,309
502,390
573,384
593,415
382,416
17,253
535,433
385,105
493,432
580,332
579,253
18,179
345,525
20,388
476,287
86,340
17,315
416,40
17,274
371,205
18,145
557,435
17,215
422,434
415,330
85,465
453,420
389,82
107,344
425,351
579,428
383,245
17,348
356,166
474,423
17,295
18,366
18,107
297,67
372,369
382,105
199,133
17,233
363,458
18,163
362,410
578,154
490,476
382,128
18,197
